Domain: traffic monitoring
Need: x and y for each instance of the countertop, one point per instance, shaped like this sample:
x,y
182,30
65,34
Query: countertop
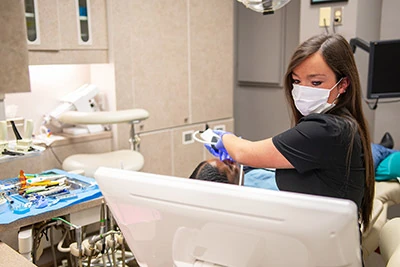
x,y
10,257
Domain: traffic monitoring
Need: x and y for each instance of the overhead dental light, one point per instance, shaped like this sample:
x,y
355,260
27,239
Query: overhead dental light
x,y
264,6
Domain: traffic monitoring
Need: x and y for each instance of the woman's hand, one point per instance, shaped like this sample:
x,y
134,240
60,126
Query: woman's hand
x,y
219,150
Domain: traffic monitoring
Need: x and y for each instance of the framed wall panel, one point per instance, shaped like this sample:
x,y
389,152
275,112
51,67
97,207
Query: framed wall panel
x,y
261,44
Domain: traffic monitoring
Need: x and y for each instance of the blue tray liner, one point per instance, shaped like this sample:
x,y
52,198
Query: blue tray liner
x,y
86,194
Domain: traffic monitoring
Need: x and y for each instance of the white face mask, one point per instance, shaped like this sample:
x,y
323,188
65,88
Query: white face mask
x,y
312,100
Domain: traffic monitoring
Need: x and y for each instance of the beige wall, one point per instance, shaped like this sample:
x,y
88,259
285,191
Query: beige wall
x,y
261,111
175,59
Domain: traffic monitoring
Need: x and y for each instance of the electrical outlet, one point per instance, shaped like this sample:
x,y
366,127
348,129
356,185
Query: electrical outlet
x,y
324,16
187,137
338,16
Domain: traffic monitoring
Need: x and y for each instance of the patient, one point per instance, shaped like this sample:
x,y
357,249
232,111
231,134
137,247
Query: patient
x,y
383,149
227,171
216,170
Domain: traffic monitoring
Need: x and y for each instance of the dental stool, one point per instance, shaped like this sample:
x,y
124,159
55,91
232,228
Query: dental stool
x,y
126,159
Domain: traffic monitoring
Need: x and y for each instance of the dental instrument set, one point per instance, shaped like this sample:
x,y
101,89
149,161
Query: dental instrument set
x,y
41,190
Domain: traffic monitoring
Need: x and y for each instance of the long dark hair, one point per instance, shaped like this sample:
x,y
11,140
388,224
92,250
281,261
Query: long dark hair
x,y
338,54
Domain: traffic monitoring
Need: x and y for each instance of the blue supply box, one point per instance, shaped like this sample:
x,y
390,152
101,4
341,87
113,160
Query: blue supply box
x,y
33,194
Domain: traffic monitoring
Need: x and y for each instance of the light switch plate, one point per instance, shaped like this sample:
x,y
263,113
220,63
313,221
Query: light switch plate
x,y
324,16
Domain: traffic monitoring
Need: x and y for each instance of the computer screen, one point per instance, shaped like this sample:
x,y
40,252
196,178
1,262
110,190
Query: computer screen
x,y
171,221
384,69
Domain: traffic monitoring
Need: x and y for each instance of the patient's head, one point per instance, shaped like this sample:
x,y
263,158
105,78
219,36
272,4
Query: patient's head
x,y
216,170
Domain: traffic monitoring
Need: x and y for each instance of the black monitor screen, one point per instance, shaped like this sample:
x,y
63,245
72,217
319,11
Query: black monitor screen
x,y
384,69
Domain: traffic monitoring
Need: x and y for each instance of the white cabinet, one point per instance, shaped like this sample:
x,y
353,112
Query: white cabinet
x,y
66,31
43,28
83,24
14,74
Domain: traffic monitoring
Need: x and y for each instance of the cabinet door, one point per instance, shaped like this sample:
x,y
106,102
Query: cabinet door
x,y
211,59
260,45
42,24
14,74
83,24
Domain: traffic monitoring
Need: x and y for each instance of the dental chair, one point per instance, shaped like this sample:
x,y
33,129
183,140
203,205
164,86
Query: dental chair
x,y
390,243
387,194
125,159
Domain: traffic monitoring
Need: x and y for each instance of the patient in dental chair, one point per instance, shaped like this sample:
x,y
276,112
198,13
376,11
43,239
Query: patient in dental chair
x,y
227,171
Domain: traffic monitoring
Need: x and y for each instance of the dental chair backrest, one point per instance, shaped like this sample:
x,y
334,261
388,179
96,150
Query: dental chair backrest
x,y
171,221
122,159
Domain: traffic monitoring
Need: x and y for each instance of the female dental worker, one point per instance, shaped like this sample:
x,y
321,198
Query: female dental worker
x,y
327,152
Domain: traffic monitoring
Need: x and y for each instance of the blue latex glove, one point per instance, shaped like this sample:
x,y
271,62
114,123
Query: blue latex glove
x,y
218,150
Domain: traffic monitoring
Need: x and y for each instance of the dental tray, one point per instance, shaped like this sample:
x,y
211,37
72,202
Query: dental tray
x,y
78,189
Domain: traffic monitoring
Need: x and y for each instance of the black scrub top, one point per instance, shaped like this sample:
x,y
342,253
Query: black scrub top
x,y
318,148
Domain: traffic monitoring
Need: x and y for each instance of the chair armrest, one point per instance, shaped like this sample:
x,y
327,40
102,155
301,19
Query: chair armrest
x,y
388,192
370,238
390,242
104,117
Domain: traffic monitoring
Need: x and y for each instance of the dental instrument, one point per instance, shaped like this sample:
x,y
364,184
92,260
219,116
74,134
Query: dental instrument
x,y
241,176
8,198
45,177
3,204
211,138
207,137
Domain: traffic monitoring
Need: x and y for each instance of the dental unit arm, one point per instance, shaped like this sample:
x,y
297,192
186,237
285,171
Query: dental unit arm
x,y
79,100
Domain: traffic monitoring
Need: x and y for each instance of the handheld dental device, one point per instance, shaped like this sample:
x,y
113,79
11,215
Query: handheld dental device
x,y
207,137
211,138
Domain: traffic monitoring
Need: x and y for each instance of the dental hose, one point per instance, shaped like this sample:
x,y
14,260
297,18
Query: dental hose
x,y
78,236
112,226
113,250
102,231
123,252
78,232
89,261
108,257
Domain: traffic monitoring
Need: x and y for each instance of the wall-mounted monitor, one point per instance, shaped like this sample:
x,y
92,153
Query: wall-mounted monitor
x,y
314,2
384,69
